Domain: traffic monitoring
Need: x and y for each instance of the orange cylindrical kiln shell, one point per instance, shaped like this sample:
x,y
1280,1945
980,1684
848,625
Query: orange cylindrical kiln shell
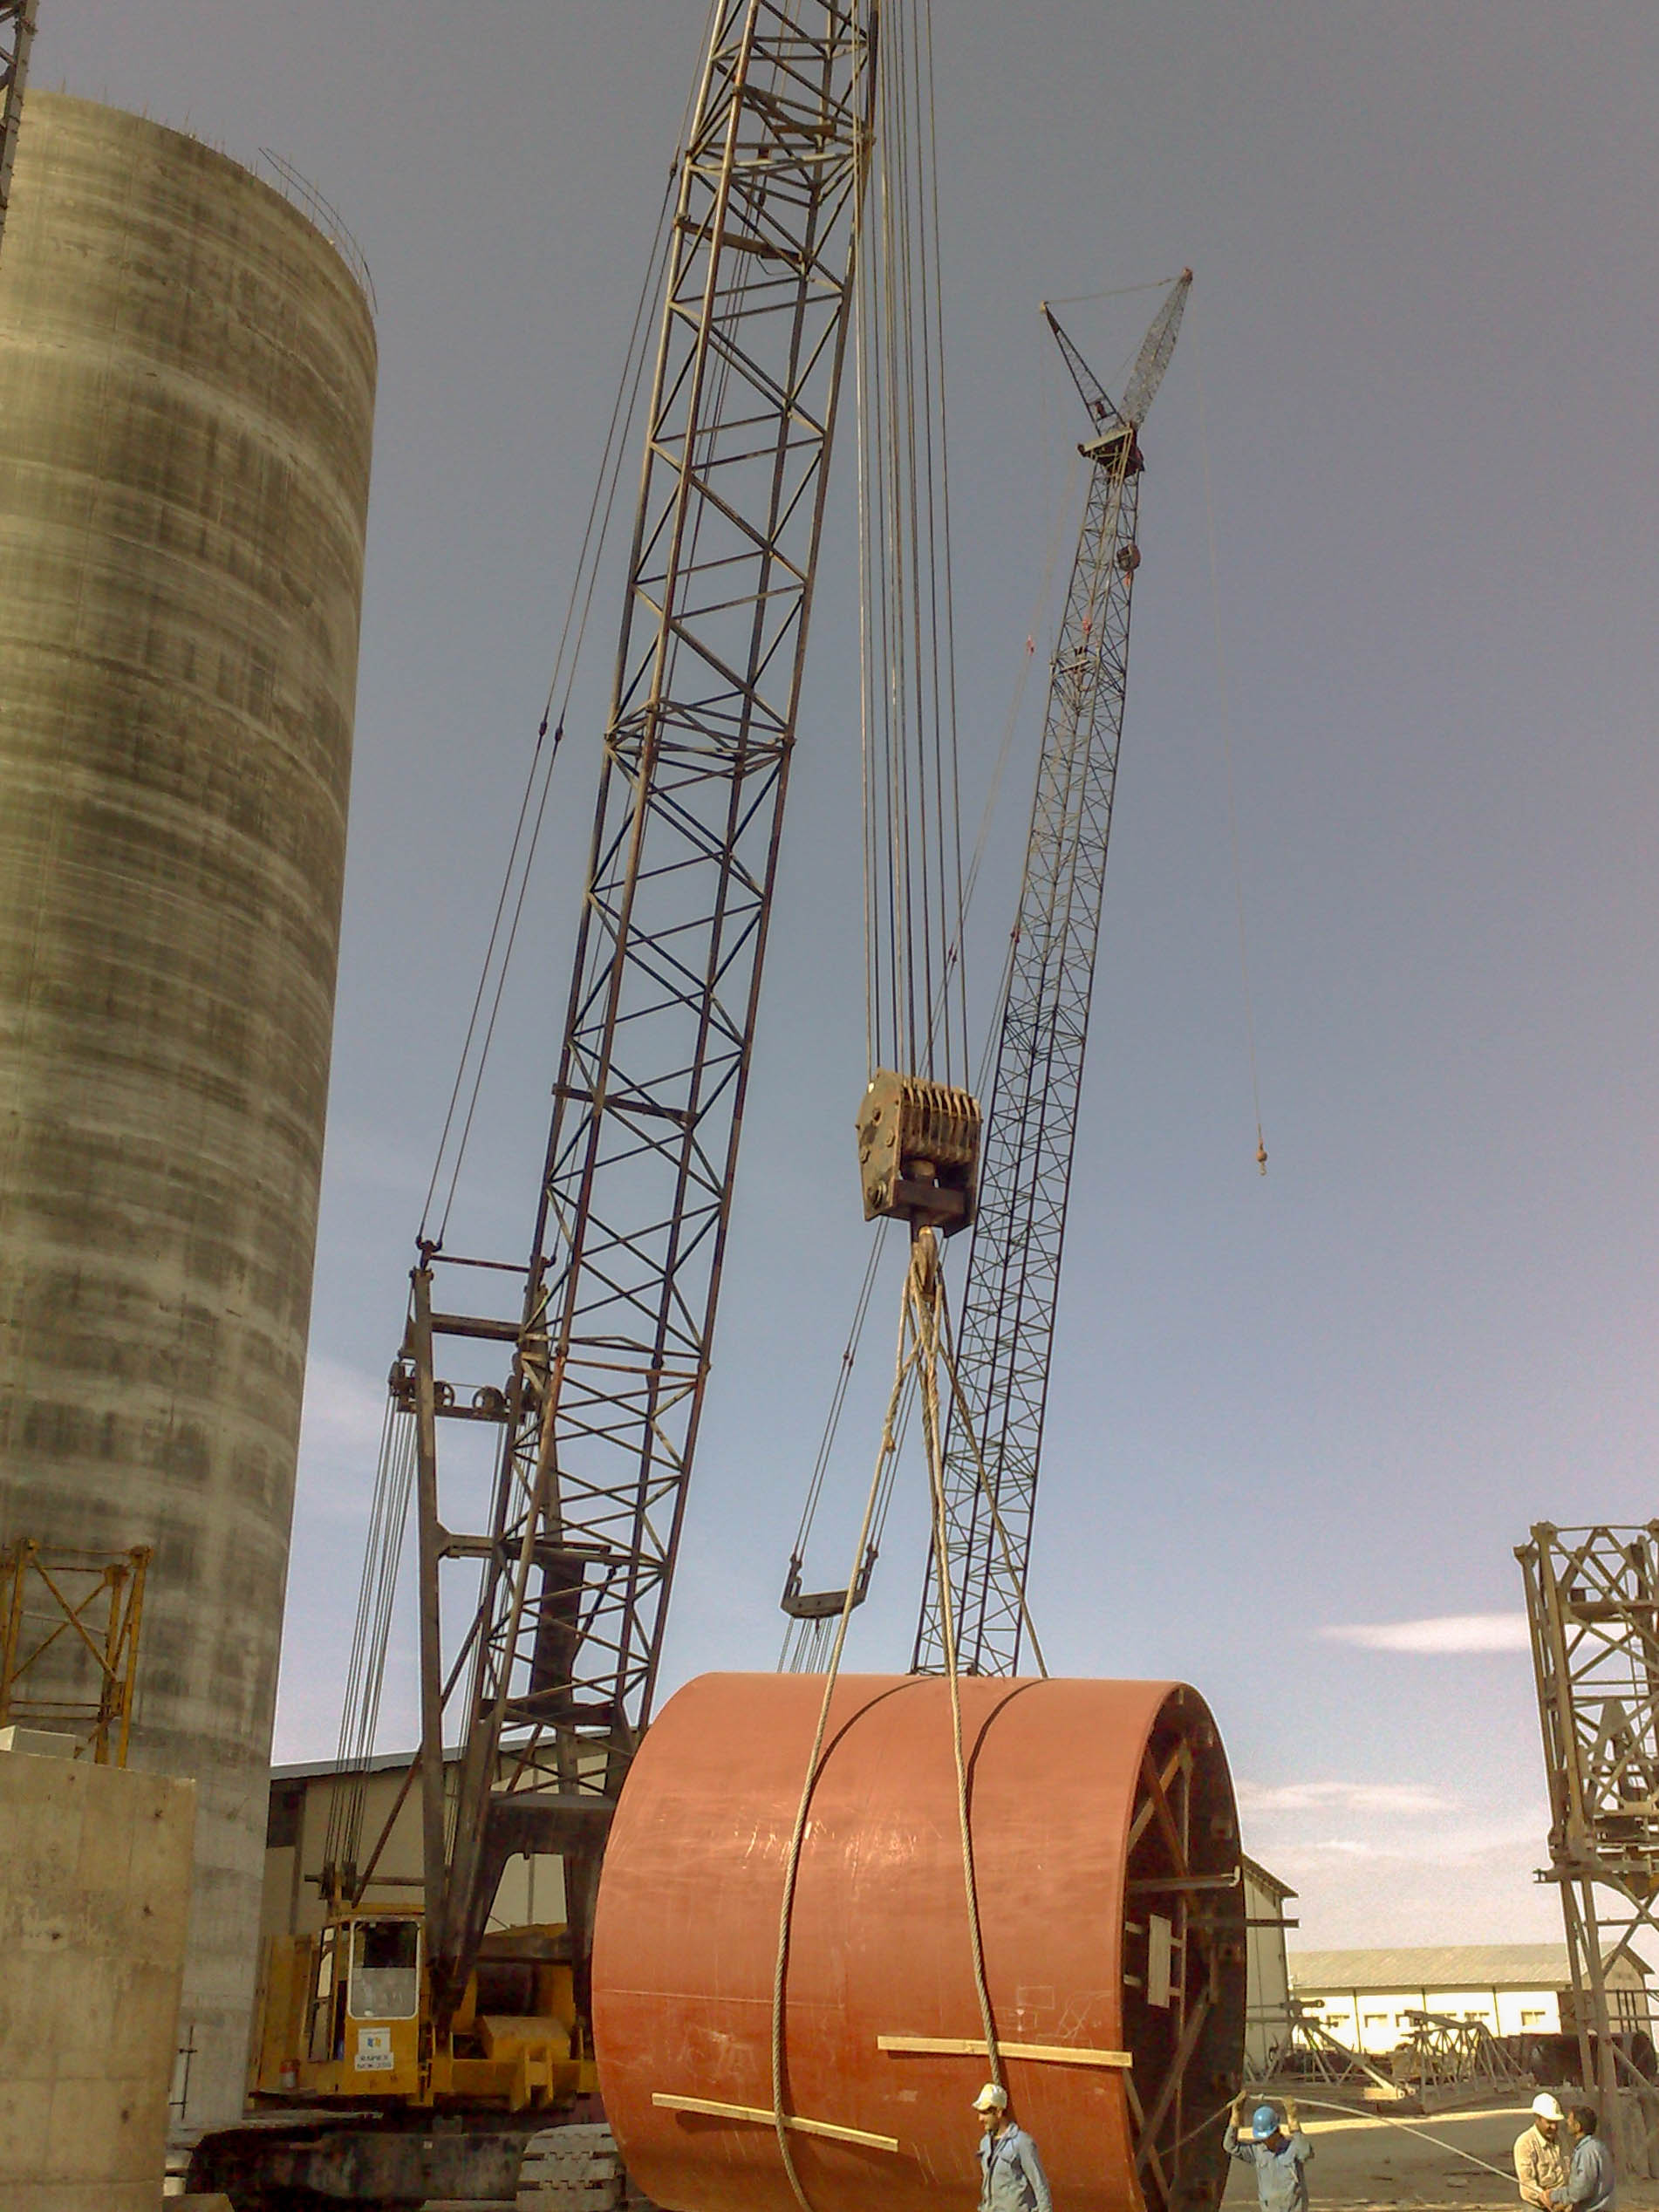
x,y
1106,1850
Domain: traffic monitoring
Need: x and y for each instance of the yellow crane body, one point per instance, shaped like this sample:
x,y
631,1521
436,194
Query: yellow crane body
x,y
346,2016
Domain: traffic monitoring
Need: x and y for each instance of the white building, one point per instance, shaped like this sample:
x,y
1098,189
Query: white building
x,y
1268,1977
1511,1989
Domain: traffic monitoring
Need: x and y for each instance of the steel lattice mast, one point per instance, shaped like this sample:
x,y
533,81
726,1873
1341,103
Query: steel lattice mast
x,y
1006,1330
1592,1609
17,34
610,1355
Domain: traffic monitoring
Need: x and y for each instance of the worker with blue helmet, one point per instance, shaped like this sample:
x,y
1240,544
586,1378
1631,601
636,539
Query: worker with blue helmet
x,y
1279,2153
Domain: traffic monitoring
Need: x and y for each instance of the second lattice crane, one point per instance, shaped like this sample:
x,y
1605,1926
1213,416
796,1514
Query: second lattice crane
x,y
1008,1307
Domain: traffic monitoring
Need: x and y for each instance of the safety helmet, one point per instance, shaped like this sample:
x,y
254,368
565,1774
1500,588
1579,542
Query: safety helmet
x,y
1547,2107
1264,2122
992,2099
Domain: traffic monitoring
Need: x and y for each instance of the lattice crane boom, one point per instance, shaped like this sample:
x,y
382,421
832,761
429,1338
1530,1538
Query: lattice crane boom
x,y
610,1352
1006,1311
16,35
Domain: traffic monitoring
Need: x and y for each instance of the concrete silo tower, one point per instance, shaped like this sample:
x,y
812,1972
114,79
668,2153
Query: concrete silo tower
x,y
187,380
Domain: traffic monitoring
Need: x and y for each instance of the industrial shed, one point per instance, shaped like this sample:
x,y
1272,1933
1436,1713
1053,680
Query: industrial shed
x,y
1363,1997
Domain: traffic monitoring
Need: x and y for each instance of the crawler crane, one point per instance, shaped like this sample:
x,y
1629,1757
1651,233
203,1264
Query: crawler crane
x,y
432,2048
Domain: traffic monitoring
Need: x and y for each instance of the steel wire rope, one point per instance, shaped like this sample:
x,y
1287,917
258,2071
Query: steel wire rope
x,y
1226,749
898,388
366,1669
876,649
1115,291
922,1325
866,791
807,1646
954,948
601,509
1387,2119
914,517
935,1447
792,1858
1365,2120
733,307
913,841
930,509
958,952
567,661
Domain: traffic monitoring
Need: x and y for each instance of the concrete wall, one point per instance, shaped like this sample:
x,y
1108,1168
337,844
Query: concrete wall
x,y
94,1891
187,374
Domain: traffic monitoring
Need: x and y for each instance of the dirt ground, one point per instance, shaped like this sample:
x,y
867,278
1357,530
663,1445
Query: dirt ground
x,y
1367,2164
1361,2161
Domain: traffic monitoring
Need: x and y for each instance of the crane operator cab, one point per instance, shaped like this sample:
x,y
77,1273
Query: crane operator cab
x,y
346,2014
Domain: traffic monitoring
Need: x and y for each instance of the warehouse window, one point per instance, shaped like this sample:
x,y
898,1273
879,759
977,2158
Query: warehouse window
x,y
283,1819
1376,2019
1532,2019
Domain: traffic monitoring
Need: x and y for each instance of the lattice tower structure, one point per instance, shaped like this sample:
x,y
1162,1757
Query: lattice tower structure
x,y
16,35
1593,1608
1007,1316
609,1353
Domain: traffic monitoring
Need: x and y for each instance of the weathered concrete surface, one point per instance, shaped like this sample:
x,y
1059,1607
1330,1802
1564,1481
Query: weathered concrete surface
x,y
187,374
94,1896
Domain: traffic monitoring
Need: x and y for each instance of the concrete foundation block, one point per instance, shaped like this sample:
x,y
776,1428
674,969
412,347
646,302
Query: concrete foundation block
x,y
89,1999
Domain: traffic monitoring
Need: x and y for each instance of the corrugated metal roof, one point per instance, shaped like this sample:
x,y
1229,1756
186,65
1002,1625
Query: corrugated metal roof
x,y
1437,1966
1260,1875
382,1763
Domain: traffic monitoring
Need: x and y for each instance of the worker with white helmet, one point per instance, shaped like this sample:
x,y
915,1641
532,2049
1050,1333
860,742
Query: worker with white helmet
x,y
1279,2153
1011,2175
1540,2156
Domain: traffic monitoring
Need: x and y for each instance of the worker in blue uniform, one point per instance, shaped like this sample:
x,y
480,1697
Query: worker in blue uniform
x,y
1011,2175
1589,2182
1279,2155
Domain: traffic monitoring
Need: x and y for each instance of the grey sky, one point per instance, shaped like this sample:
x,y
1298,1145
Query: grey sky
x,y
1424,312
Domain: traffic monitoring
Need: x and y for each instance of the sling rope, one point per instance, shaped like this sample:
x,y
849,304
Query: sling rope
x,y
802,1642
792,1862
1365,2120
933,1430
924,1345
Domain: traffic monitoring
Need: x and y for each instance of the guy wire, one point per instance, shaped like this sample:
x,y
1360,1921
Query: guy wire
x,y
1226,748
601,509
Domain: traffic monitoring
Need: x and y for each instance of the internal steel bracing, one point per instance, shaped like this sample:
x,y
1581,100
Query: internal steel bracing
x,y
69,1640
1592,1606
610,1355
1007,1309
